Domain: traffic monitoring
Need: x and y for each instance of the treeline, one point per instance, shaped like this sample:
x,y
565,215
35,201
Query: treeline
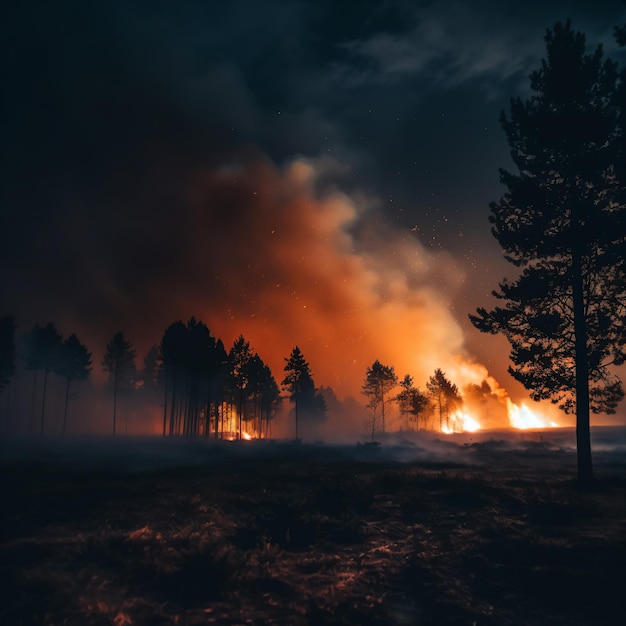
x,y
438,407
203,389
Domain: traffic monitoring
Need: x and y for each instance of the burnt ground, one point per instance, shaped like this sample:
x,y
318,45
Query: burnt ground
x,y
311,535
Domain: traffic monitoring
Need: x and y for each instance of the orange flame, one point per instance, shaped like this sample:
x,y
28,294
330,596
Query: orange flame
x,y
522,417
461,422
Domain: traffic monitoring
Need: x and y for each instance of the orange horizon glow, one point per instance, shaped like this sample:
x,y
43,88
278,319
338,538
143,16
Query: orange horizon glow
x,y
298,275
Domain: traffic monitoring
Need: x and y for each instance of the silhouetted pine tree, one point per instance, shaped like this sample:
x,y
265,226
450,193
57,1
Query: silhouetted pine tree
x,y
412,402
150,371
194,366
171,348
239,358
562,220
7,350
7,360
73,363
119,362
298,381
379,381
43,350
265,393
445,397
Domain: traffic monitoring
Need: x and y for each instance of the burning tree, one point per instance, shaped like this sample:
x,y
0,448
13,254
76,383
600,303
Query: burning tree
x,y
265,394
239,359
561,221
445,397
193,372
379,382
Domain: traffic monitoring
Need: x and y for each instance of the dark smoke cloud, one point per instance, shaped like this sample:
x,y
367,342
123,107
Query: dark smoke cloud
x,y
260,166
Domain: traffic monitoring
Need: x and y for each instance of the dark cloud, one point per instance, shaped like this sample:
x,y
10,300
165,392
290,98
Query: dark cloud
x,y
166,159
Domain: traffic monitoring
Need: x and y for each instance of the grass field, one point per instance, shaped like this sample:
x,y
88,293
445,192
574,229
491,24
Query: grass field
x,y
432,531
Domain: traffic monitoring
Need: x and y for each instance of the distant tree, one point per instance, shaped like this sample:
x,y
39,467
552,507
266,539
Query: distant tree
x,y
193,372
298,381
218,377
445,397
150,370
265,393
171,349
7,350
380,380
197,362
239,358
404,397
73,363
119,362
412,401
43,350
562,220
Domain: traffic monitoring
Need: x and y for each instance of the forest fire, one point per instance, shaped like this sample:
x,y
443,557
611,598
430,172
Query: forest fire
x,y
522,417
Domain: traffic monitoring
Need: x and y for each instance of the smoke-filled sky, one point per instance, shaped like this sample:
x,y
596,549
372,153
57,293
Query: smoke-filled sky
x,y
313,172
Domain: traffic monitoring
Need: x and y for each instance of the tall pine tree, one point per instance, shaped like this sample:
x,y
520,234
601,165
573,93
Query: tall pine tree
x,y
298,381
562,222
73,363
119,362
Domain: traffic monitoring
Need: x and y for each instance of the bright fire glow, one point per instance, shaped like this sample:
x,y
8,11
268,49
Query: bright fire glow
x,y
470,425
246,435
461,422
522,417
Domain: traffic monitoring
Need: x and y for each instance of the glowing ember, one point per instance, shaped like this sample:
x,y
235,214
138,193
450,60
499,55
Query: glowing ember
x,y
246,435
522,417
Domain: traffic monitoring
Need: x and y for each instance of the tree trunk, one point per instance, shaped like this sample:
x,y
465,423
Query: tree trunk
x,y
31,427
114,398
583,434
67,399
43,398
165,406
173,407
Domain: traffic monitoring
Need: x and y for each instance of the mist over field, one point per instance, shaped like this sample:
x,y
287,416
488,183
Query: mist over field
x,y
536,449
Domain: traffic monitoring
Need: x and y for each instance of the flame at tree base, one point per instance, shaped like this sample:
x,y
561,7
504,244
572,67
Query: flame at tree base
x,y
461,422
521,417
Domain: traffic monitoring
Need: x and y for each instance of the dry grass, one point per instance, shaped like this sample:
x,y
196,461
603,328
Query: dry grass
x,y
301,539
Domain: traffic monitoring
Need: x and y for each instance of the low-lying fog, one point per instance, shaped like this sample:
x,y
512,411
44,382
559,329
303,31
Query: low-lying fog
x,y
512,448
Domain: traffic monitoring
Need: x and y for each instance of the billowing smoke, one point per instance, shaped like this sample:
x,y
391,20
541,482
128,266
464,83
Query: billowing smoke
x,y
287,264
284,257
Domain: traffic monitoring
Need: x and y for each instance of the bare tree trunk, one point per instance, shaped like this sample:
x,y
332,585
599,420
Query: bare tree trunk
x,y
165,406
114,400
43,398
583,433
67,398
32,404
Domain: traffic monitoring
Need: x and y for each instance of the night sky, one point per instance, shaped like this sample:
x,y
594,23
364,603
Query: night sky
x,y
312,172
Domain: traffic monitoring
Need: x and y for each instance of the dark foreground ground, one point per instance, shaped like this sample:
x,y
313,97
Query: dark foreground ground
x,y
480,532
